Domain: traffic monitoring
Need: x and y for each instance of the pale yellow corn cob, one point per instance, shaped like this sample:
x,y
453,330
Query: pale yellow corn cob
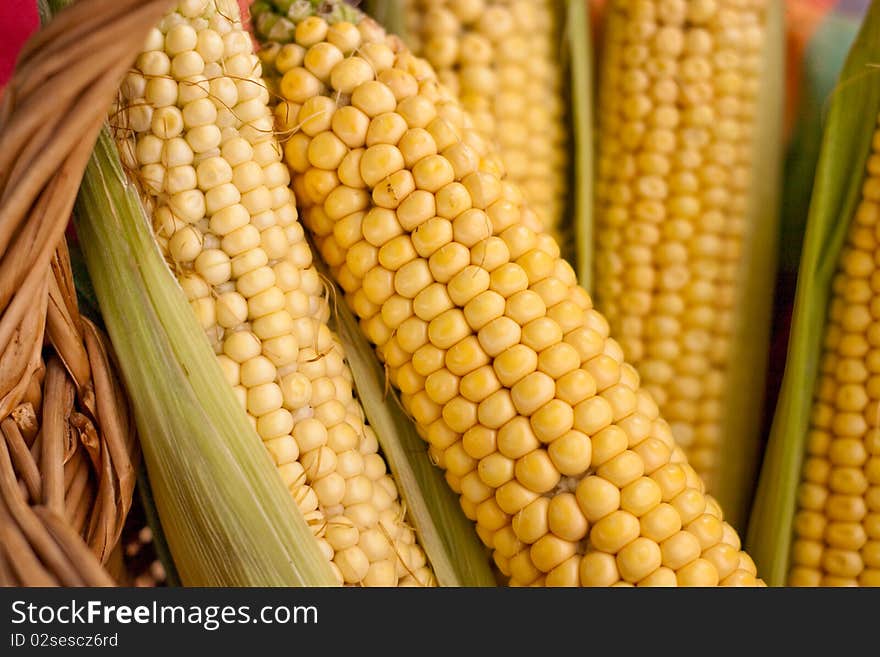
x,y
678,98
196,130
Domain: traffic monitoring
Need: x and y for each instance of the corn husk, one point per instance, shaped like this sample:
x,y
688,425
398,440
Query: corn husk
x,y
227,516
846,143
823,56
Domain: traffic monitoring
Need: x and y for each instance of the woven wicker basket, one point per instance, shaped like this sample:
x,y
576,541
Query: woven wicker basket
x,y
68,450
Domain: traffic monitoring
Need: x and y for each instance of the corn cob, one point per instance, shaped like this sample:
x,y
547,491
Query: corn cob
x,y
816,518
196,131
685,220
837,523
558,456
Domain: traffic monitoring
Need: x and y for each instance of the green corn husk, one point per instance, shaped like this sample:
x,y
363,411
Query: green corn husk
x,y
227,516
846,143
447,536
822,62
576,57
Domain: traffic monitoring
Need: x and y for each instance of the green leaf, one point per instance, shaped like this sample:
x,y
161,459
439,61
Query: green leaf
x,y
819,70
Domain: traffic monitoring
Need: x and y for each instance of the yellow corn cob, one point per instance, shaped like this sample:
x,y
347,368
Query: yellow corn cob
x,y
837,523
679,100
558,456
196,131
502,59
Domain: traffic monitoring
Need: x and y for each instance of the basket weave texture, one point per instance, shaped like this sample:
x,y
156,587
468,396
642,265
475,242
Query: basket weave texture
x,y
68,449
